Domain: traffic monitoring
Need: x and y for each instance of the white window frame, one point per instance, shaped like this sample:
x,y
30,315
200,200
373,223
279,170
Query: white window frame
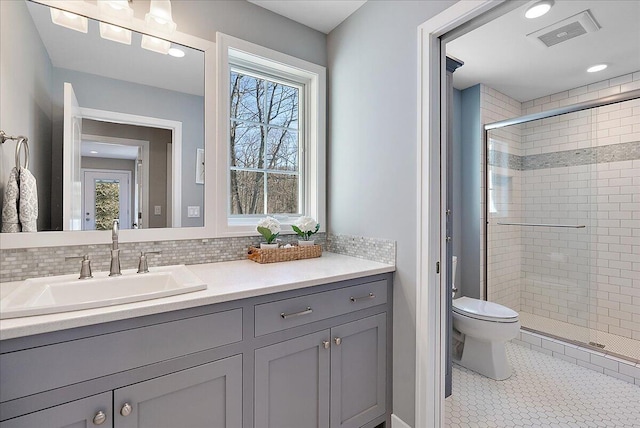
x,y
241,68
232,52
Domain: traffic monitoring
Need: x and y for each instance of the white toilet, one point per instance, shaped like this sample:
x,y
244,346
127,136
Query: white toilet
x,y
485,327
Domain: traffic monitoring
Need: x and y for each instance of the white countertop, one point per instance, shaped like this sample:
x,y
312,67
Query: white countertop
x,y
225,281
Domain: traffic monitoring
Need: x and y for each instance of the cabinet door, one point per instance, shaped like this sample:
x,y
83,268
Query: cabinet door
x,y
76,414
358,372
209,396
292,383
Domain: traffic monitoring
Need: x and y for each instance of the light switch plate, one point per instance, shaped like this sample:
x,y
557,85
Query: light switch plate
x,y
157,210
193,211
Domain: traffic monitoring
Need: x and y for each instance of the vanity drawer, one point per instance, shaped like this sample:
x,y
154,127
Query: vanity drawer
x,y
283,314
53,366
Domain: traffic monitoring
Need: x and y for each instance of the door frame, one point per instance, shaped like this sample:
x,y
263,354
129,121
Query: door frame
x,y
153,122
143,205
431,248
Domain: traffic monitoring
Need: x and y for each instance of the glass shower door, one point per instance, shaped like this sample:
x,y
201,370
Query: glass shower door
x,y
539,203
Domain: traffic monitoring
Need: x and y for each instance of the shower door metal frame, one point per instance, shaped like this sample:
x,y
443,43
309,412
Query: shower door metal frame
x,y
586,105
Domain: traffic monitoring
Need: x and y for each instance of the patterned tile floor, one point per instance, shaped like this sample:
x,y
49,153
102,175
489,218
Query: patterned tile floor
x,y
613,343
542,392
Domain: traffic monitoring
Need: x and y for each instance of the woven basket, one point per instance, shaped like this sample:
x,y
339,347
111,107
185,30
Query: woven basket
x,y
274,255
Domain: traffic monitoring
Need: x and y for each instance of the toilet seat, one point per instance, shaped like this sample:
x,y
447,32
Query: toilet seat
x,y
483,310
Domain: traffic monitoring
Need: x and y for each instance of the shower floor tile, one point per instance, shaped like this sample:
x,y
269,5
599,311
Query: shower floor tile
x,y
542,392
613,343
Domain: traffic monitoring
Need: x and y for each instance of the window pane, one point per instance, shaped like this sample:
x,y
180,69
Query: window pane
x,y
107,203
247,192
282,149
246,145
282,194
247,97
282,105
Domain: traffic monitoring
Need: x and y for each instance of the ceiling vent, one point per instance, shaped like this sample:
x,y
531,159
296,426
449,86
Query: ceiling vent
x,y
568,28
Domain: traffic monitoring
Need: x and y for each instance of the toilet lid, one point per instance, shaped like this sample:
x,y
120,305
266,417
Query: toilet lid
x,y
483,310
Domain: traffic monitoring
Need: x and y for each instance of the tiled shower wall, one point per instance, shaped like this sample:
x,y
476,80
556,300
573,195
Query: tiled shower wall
x,y
581,168
22,263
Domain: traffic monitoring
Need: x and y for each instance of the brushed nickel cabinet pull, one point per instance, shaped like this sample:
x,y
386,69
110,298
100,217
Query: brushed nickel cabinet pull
x,y
297,314
369,296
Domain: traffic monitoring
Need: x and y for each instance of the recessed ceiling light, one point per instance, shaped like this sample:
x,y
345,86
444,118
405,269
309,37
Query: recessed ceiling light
x,y
596,68
93,152
539,9
178,53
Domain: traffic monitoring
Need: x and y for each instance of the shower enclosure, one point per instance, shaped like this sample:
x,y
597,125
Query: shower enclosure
x,y
563,222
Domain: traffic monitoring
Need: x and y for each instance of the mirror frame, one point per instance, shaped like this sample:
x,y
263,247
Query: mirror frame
x,y
67,238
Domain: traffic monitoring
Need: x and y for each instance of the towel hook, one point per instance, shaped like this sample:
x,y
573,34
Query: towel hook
x,y
22,143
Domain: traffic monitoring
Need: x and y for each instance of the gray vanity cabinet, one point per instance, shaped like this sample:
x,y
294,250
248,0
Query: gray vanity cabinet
x,y
333,378
315,357
358,372
87,412
292,383
209,395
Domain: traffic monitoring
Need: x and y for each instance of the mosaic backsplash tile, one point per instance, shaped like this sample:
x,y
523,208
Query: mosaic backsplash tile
x,y
22,263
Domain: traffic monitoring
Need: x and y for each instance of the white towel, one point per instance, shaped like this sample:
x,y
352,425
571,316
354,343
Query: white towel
x,y
28,201
10,220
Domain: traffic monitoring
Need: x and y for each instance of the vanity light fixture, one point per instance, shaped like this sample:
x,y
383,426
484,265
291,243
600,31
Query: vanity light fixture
x,y
175,52
115,33
159,19
155,44
538,9
596,68
69,20
116,9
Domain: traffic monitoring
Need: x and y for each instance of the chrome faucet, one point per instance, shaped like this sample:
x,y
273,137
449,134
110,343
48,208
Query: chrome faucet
x,y
114,270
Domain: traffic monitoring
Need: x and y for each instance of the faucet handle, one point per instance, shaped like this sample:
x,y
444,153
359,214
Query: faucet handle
x,y
143,267
85,268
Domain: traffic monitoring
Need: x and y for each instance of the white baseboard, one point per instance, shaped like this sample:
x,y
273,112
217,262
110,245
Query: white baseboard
x,y
396,422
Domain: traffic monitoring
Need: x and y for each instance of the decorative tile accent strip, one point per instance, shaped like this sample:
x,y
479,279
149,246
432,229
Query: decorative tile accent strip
x,y
378,250
22,263
588,156
505,160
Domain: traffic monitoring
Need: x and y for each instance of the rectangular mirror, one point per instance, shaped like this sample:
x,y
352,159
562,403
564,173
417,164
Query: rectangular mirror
x,y
113,129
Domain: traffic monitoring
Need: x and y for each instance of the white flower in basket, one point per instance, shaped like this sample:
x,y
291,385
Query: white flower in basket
x,y
305,227
269,228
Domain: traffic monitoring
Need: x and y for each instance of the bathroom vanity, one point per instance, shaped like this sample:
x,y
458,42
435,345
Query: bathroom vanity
x,y
307,345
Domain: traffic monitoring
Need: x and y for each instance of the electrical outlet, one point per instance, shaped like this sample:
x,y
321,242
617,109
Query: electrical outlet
x,y
193,211
157,210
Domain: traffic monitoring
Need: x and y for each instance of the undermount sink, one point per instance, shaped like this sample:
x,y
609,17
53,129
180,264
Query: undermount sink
x,y
48,295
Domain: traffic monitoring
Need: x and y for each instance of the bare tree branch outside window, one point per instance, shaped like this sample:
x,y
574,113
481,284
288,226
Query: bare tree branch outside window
x,y
264,146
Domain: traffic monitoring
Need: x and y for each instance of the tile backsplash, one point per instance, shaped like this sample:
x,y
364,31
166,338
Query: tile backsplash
x,y
21,263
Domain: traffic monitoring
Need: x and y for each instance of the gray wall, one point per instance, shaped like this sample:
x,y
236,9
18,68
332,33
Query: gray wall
x,y
116,95
372,152
25,100
469,261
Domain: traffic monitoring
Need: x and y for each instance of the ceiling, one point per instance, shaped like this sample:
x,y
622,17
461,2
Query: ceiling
x,y
321,15
500,55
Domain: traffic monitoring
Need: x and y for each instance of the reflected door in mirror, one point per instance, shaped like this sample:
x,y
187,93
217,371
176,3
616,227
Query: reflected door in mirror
x,y
106,198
